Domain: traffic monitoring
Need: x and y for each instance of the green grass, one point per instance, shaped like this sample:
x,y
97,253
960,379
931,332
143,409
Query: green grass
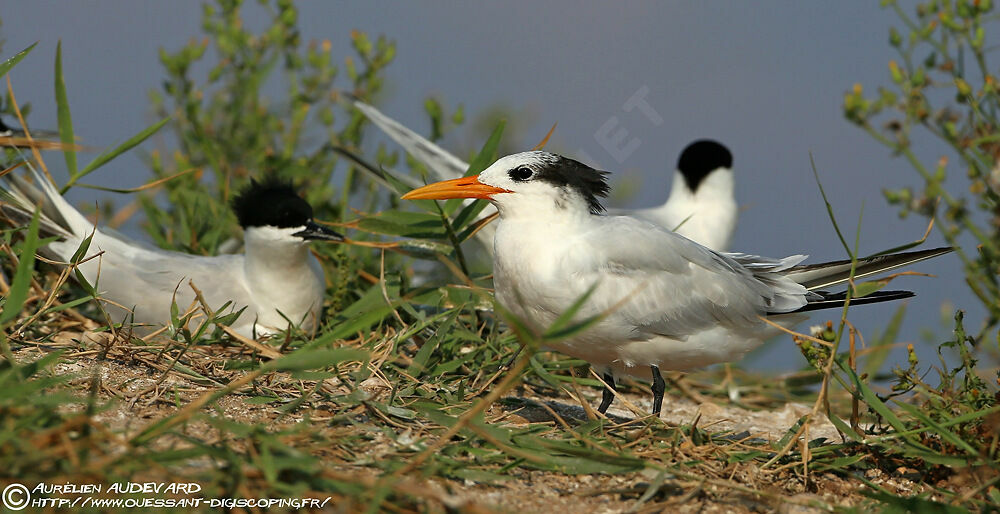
x,y
400,401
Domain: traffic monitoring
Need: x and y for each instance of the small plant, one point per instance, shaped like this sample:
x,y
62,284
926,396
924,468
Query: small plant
x,y
943,54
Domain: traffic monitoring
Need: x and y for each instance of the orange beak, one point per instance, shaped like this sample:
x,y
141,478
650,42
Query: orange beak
x,y
465,187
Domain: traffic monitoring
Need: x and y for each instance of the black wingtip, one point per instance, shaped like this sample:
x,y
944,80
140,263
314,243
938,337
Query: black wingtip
x,y
836,300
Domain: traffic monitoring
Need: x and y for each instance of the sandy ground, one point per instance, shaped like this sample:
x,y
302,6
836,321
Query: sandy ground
x,y
142,394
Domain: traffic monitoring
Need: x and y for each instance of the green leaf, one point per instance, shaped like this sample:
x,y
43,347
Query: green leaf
x,y
882,346
424,249
10,63
912,504
479,475
180,368
488,153
540,370
261,400
65,120
419,364
102,159
939,429
839,463
873,400
314,359
228,319
866,288
844,428
79,255
68,305
789,434
483,159
877,405
468,214
21,283
406,224
358,317
829,209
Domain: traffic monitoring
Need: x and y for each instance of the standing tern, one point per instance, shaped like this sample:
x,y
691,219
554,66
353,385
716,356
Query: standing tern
x,y
277,279
702,205
666,302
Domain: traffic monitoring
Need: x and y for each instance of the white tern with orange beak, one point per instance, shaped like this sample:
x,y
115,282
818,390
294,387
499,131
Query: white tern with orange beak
x,y
667,302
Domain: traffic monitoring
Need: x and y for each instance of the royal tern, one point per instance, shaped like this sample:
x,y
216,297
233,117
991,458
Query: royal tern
x,y
276,279
701,206
666,302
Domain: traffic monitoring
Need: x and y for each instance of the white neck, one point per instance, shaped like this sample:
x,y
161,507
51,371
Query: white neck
x,y
717,186
270,250
282,274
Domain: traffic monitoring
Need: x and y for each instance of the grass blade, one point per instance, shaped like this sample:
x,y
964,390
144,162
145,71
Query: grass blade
x,y
21,283
65,119
939,429
102,159
314,359
483,159
10,63
881,347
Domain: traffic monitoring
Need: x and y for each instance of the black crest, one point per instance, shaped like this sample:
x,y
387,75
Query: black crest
x,y
565,172
272,202
701,158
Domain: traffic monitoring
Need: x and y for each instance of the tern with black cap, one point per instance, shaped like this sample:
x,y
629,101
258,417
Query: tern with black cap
x,y
276,280
702,203
664,302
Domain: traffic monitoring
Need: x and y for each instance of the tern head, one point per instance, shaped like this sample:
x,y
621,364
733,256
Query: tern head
x,y
535,177
274,211
700,159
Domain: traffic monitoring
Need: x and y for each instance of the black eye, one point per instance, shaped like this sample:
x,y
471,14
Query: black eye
x,y
520,173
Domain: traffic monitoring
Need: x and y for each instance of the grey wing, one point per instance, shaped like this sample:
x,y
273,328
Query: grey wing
x,y
150,280
676,287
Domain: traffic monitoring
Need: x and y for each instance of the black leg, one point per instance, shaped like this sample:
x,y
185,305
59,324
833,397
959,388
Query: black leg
x,y
510,362
609,393
659,386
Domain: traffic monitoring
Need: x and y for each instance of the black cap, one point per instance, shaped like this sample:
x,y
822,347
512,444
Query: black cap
x,y
272,202
701,158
